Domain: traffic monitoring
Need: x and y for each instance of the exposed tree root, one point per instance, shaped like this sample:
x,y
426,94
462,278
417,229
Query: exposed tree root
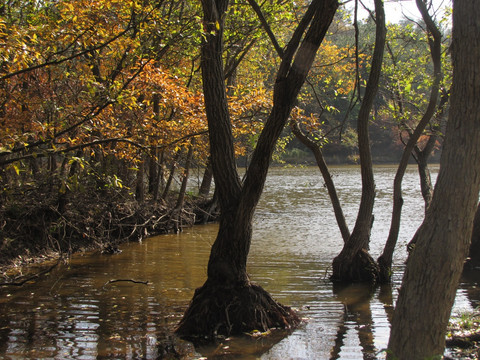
x,y
362,268
220,311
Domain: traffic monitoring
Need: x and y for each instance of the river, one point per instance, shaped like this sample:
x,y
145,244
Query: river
x,y
77,312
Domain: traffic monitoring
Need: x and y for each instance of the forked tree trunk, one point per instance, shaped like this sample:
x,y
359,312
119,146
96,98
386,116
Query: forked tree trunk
x,y
422,156
434,267
354,264
228,303
385,260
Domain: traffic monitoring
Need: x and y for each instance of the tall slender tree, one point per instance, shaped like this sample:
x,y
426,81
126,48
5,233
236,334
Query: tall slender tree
x,y
435,43
434,267
354,264
229,302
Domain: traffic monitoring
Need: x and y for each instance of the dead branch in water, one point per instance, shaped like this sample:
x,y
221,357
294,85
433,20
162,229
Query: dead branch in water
x,y
125,280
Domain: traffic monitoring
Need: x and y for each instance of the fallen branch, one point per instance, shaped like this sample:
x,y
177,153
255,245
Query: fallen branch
x,y
125,280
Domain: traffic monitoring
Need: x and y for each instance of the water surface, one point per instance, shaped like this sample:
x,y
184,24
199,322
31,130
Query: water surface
x,y
75,313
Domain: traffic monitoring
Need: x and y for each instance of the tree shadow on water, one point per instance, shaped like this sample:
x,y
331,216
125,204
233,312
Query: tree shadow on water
x,y
470,284
357,316
359,320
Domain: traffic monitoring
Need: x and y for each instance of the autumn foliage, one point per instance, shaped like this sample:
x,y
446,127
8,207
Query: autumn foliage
x,y
106,95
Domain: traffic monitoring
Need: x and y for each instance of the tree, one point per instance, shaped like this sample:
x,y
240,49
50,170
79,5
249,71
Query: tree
x,y
435,264
229,302
435,40
354,264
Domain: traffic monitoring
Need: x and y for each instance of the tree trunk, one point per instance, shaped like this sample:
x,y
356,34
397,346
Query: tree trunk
x,y
385,260
176,215
62,196
183,187
228,303
354,264
160,182
170,175
206,181
140,183
332,192
435,264
421,157
152,171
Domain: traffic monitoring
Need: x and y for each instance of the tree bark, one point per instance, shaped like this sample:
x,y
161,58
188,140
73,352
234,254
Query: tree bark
x,y
354,264
228,302
385,260
435,264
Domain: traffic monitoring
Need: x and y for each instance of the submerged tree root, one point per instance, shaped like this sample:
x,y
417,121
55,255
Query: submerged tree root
x,y
219,311
362,268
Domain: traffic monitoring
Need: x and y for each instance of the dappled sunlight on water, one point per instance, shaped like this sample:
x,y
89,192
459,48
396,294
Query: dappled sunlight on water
x,y
75,313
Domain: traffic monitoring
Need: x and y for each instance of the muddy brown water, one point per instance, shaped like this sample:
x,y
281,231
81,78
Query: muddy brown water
x,y
74,313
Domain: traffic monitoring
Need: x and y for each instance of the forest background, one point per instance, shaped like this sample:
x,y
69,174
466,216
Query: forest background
x,y
102,117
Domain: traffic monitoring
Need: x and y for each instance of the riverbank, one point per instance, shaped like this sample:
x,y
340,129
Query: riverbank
x,y
36,226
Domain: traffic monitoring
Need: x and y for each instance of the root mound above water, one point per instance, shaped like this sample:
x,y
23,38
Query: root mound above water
x,y
219,311
362,268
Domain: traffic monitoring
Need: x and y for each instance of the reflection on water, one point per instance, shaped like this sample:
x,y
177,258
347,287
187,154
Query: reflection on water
x,y
74,313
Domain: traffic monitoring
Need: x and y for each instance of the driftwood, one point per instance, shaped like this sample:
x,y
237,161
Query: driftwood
x,y
126,280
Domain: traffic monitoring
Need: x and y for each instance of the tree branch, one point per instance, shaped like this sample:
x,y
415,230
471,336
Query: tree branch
x,y
125,280
266,27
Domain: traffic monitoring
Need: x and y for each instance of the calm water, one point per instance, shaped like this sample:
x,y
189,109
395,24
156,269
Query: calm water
x,y
74,313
